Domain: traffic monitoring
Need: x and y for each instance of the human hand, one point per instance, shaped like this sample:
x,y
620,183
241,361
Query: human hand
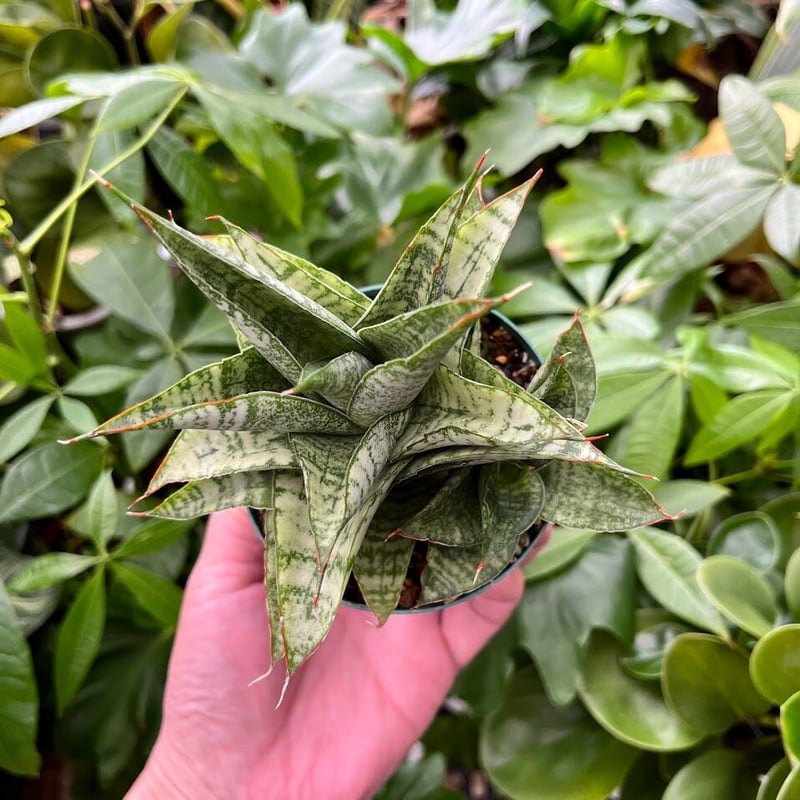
x,y
350,713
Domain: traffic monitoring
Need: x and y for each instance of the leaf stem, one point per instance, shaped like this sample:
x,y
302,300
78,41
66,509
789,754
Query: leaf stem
x,y
36,235
28,281
233,7
66,235
744,475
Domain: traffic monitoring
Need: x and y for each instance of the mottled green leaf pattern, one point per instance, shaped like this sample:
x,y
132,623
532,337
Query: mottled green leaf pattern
x,y
453,411
453,515
452,571
284,325
239,374
257,411
479,241
511,499
409,285
335,380
199,454
213,494
323,287
608,500
570,358
426,335
340,472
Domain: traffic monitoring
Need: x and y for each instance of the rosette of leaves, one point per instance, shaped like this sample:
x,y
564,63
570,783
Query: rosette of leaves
x,y
359,428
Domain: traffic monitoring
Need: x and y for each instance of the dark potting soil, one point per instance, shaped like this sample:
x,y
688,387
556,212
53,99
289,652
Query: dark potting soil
x,y
501,348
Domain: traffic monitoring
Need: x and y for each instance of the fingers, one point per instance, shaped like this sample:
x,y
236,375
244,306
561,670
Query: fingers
x,y
232,548
467,626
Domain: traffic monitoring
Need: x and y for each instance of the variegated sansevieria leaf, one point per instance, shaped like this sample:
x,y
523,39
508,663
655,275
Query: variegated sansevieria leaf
x,y
340,472
240,374
452,516
266,523
511,497
202,497
335,380
607,499
320,285
479,241
257,411
453,411
469,455
567,380
308,602
415,343
287,327
382,563
411,284
199,454
452,571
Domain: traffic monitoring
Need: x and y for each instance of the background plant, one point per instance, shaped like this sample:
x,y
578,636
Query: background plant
x,y
640,222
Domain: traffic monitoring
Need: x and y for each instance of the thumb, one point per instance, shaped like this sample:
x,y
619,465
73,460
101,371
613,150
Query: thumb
x,y
232,557
467,627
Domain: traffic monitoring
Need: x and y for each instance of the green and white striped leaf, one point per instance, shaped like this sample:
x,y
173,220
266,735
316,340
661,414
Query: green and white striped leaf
x,y
754,128
297,571
562,449
199,454
213,494
240,374
381,564
570,355
340,472
257,411
453,411
479,242
511,500
324,460
335,380
266,518
595,497
288,328
276,646
410,284
415,343
452,571
478,369
318,284
452,517
307,604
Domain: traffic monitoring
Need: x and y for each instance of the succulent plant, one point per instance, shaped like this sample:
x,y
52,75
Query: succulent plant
x,y
360,427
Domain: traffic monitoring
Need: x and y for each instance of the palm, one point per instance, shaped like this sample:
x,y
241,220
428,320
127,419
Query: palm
x,y
350,713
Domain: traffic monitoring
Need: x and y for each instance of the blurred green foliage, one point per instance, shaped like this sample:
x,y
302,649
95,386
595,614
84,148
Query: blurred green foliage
x,y
653,663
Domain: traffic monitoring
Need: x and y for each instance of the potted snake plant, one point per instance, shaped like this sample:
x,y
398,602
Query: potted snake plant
x,y
385,457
